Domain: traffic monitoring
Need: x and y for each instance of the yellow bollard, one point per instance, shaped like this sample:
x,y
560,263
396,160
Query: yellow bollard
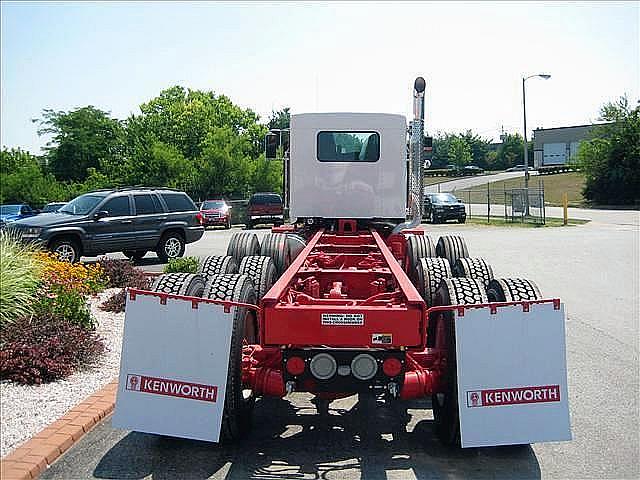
x,y
565,206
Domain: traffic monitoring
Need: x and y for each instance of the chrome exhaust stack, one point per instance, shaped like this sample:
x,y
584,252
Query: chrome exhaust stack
x,y
416,190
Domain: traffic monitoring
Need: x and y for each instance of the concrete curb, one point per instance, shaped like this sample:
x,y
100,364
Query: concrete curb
x,y
33,457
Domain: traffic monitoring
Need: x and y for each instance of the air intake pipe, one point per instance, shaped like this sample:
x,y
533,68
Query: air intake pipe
x,y
415,157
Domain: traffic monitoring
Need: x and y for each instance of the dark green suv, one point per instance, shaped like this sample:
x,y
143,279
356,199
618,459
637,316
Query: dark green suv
x,y
131,220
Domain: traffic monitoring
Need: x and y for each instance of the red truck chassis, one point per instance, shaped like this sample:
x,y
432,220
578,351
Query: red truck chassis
x,y
346,297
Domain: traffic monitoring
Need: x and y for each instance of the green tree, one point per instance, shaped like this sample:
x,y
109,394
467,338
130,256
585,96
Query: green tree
x,y
510,153
22,179
440,153
279,119
459,152
479,148
610,159
81,139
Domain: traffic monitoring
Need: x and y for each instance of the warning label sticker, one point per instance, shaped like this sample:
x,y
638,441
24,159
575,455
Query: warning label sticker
x,y
382,338
343,319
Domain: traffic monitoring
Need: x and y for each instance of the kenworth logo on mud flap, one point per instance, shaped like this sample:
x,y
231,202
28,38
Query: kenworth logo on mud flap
x,y
172,388
513,396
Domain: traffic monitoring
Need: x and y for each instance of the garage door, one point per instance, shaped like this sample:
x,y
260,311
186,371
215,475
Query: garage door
x,y
554,153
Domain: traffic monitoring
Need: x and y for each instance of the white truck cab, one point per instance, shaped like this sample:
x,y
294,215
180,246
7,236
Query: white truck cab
x,y
348,165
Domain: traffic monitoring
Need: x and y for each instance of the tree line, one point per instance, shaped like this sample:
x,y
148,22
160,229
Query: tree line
x,y
204,144
190,140
468,148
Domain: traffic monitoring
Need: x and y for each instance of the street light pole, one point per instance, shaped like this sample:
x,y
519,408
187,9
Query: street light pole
x,y
526,147
526,151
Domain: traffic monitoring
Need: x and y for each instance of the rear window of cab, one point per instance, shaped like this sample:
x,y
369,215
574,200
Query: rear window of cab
x,y
348,146
265,199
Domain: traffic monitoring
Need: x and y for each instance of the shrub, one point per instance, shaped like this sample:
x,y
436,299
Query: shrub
x,y
122,273
44,348
19,277
65,303
117,301
77,277
182,265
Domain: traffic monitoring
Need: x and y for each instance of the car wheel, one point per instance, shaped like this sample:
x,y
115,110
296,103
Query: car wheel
x,y
171,246
66,249
462,219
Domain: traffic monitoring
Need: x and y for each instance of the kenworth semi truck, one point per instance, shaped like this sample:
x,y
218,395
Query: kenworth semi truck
x,y
351,297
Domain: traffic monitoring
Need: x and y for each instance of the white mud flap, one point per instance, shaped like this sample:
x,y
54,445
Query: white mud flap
x,y
512,375
173,369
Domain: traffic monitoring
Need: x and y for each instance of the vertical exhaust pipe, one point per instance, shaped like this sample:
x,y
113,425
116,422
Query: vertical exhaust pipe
x,y
415,157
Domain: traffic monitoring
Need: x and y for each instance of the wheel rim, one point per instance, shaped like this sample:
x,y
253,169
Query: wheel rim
x,y
65,253
172,247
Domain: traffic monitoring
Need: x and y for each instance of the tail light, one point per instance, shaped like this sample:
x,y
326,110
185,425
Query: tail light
x,y
295,366
200,218
392,367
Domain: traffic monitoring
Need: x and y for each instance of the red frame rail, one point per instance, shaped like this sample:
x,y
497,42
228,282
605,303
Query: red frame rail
x,y
344,275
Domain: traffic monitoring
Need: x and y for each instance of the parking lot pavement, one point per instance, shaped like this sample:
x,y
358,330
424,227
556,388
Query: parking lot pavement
x,y
593,268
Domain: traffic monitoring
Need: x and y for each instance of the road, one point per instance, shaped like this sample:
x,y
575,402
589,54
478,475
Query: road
x,y
468,182
593,268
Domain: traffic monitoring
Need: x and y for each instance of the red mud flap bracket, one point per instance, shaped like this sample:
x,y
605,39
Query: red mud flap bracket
x,y
512,374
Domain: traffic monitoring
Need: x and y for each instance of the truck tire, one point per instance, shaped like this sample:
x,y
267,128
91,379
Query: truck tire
x,y
171,246
430,272
451,247
215,264
189,284
276,246
243,244
261,271
452,291
239,401
473,268
296,244
512,290
418,246
66,249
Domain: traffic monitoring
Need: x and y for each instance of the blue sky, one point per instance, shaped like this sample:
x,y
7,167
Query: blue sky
x,y
322,57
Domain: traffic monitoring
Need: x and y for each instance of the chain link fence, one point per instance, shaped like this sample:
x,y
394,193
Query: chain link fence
x,y
513,204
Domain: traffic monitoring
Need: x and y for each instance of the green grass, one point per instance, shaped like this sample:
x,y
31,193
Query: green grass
x,y
19,278
554,186
501,222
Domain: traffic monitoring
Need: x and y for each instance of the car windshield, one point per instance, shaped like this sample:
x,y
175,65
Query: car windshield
x,y
443,198
211,204
52,207
82,204
10,209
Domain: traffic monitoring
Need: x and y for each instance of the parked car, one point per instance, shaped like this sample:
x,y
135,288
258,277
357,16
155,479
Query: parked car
x,y
131,220
519,168
472,170
216,213
265,207
11,213
440,207
52,207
